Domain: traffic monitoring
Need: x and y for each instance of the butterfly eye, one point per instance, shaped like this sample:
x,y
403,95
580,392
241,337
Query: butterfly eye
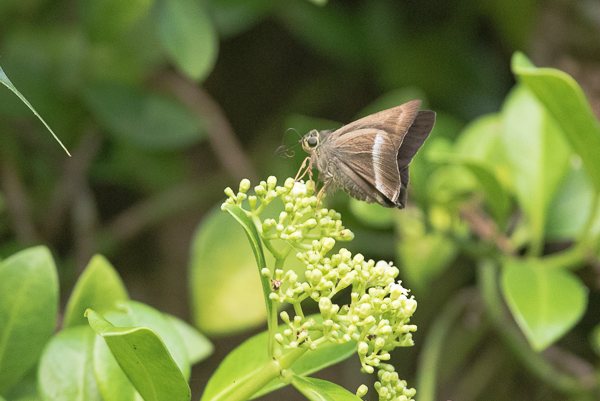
x,y
312,141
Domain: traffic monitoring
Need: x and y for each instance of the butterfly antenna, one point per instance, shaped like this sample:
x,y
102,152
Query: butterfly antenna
x,y
288,150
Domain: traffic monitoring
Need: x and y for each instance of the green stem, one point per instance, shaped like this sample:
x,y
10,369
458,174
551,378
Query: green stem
x,y
249,386
298,310
246,388
432,348
534,362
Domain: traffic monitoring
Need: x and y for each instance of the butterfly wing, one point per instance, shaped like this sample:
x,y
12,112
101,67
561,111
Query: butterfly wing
x,y
395,121
377,149
371,155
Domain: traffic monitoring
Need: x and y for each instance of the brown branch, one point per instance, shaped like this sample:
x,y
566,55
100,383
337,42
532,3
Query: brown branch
x,y
485,228
129,223
72,182
84,220
220,133
18,203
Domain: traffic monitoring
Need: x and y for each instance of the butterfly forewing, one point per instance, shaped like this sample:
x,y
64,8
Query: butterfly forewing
x,y
395,121
371,153
369,158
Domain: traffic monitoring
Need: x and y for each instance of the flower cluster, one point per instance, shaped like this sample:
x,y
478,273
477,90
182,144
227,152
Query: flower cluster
x,y
301,220
377,317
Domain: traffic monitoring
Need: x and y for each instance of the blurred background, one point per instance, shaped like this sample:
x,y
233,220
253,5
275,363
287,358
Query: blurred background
x,y
165,103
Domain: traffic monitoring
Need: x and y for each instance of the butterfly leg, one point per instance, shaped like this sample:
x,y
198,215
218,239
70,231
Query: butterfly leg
x,y
321,193
307,167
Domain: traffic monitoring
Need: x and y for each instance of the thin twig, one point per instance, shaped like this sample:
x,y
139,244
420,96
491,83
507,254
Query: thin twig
x,y
18,203
485,228
71,182
84,218
220,132
129,223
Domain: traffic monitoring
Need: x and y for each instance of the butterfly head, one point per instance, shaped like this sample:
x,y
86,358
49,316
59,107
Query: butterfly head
x,y
311,141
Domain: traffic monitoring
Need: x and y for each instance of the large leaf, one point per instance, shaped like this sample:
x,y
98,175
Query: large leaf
x,y
322,390
197,346
144,119
112,381
65,371
187,34
145,360
224,274
546,303
99,288
28,307
565,101
6,82
243,364
571,208
537,155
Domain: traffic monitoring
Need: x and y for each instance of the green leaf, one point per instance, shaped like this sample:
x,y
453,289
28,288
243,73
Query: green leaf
x,y
571,208
197,346
322,390
372,214
145,360
28,308
99,288
232,17
546,303
243,363
112,381
187,34
537,156
566,103
65,371
224,276
144,119
423,255
6,82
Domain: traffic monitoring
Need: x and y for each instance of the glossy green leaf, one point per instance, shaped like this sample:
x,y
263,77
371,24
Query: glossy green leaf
x,y
243,363
99,288
224,275
372,214
537,155
197,346
112,381
144,119
6,82
28,309
566,103
137,314
546,303
187,34
322,390
65,371
571,208
145,360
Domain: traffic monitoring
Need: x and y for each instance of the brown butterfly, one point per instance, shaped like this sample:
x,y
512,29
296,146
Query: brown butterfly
x,y
369,158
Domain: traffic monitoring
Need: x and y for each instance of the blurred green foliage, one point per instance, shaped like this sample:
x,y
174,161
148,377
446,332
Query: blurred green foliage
x,y
164,103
